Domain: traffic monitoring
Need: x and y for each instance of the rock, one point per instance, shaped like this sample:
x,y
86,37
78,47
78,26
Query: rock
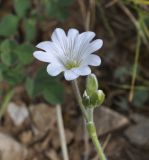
x,y
69,136
43,116
106,120
139,134
17,113
51,154
117,147
26,137
55,140
11,149
138,118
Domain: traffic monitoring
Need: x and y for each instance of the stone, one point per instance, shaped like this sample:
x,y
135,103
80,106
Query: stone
x,y
139,118
11,149
43,116
69,136
17,113
26,137
138,134
106,121
56,143
51,154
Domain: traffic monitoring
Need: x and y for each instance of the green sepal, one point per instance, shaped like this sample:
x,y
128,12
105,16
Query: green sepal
x,y
97,98
91,84
86,99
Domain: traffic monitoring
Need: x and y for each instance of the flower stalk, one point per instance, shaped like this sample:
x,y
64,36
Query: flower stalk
x,y
79,99
93,135
88,115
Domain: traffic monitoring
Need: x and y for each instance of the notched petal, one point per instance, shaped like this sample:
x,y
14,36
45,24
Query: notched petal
x,y
42,56
83,71
93,60
54,69
44,45
70,75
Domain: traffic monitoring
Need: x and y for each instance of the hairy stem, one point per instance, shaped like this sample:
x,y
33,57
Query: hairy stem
x,y
88,115
92,133
79,99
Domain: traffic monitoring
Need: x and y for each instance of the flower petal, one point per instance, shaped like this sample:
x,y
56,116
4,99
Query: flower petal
x,y
70,75
82,43
54,69
93,60
50,47
86,36
72,36
44,45
42,56
53,50
83,71
72,33
59,37
83,39
46,57
93,46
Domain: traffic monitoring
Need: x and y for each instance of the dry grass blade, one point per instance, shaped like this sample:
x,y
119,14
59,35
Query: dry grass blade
x,y
135,22
143,2
62,132
135,67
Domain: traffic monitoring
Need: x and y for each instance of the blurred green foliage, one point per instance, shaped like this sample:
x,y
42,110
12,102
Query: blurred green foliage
x,y
140,97
56,8
8,25
22,7
45,85
18,31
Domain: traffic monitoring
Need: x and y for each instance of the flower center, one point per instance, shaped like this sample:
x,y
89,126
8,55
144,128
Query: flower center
x,y
72,64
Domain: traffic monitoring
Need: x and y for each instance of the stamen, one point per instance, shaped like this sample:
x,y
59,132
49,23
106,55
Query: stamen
x,y
72,64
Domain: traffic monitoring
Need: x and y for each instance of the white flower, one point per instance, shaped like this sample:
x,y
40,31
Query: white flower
x,y
71,53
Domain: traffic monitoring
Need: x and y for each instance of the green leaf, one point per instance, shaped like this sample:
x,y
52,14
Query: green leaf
x,y
14,76
65,2
1,74
2,69
140,97
122,103
21,7
8,25
53,93
6,49
29,86
24,53
41,80
56,8
48,87
121,73
30,29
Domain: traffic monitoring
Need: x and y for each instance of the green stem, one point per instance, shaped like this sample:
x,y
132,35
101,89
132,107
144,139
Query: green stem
x,y
135,67
79,99
6,100
92,133
88,115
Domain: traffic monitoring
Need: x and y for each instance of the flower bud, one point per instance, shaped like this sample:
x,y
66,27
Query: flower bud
x,y
97,98
91,84
86,100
